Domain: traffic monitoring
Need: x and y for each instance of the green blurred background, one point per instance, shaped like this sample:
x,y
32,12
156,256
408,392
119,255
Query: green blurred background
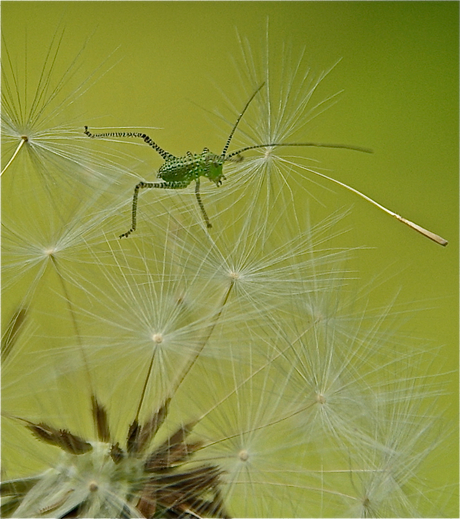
x,y
173,62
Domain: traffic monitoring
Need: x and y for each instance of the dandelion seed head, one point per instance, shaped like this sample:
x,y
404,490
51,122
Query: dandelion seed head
x,y
243,455
234,275
318,317
92,480
39,110
320,398
50,251
157,338
93,486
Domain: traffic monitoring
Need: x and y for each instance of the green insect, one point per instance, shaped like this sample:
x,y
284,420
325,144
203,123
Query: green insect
x,y
179,172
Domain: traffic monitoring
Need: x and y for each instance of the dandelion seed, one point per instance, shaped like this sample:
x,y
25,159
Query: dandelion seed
x,y
248,436
34,123
30,243
271,173
133,293
265,269
390,484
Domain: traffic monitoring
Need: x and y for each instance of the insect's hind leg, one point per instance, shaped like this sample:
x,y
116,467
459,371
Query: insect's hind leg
x,y
134,209
148,185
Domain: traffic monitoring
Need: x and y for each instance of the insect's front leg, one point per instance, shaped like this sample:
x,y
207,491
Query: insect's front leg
x,y
148,185
200,203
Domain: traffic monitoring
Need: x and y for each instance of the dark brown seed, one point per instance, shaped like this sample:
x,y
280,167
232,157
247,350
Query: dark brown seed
x,y
101,420
60,438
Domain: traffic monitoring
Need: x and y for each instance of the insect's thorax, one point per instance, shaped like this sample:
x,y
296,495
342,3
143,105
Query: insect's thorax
x,y
192,166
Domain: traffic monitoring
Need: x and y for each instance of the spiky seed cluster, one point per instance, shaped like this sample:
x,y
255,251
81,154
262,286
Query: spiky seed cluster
x,y
102,479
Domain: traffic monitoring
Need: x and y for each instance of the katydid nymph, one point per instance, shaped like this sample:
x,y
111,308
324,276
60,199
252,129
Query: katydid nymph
x,y
179,172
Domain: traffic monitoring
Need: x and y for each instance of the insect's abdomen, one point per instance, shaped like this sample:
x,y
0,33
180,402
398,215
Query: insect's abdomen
x,y
182,169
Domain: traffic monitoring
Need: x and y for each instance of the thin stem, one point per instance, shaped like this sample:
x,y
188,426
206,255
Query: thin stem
x,y
23,140
431,235
412,225
144,389
206,338
12,332
79,341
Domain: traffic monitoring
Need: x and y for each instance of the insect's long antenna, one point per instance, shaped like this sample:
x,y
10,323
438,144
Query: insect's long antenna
x,y
200,203
227,144
166,155
311,144
412,225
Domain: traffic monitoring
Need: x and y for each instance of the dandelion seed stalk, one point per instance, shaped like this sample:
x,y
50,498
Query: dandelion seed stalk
x,y
23,140
209,330
94,402
12,332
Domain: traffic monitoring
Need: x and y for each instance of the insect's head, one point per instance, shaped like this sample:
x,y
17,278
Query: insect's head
x,y
214,164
